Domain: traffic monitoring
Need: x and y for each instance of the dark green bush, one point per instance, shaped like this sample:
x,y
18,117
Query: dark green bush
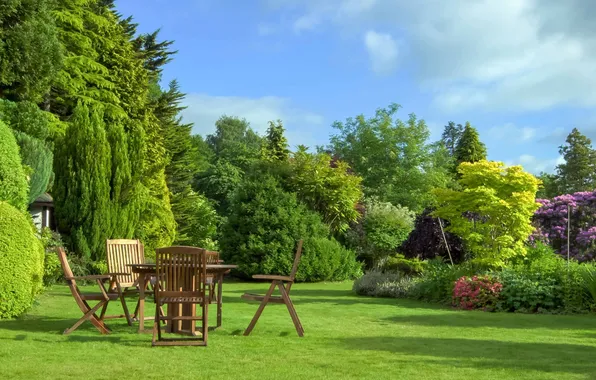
x,y
409,267
14,188
262,230
21,262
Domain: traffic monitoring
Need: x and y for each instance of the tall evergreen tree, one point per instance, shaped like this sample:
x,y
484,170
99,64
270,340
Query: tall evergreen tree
x,y
550,186
82,188
30,53
578,173
451,136
469,147
275,146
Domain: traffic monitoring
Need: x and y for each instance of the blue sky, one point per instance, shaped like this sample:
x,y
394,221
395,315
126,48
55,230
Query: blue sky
x,y
523,72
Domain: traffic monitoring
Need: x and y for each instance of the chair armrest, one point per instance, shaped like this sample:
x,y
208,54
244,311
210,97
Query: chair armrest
x,y
118,274
91,277
272,277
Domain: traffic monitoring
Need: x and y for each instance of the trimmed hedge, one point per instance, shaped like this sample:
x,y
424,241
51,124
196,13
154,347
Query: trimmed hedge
x,y
21,262
14,187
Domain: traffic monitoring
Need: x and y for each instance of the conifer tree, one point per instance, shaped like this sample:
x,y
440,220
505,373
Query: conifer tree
x,y
275,146
469,147
451,135
578,172
82,188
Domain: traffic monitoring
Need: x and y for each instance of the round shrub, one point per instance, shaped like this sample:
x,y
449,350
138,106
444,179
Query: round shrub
x,y
21,262
262,230
14,188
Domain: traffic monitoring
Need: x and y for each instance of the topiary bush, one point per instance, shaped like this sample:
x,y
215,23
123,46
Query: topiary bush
x,y
262,230
14,187
21,262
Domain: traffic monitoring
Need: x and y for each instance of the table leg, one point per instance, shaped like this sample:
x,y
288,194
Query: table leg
x,y
219,297
141,314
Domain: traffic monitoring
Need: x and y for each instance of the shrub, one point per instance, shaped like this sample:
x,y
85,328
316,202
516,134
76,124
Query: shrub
x,y
494,193
438,280
400,264
52,267
21,262
426,240
380,231
14,188
381,284
523,292
261,232
477,292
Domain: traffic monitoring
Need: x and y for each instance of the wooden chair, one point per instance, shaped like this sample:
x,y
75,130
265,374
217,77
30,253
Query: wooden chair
x,y
181,284
119,254
212,258
104,297
284,283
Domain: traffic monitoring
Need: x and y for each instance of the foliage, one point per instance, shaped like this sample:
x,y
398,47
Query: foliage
x,y
201,228
13,181
262,230
30,53
393,157
589,279
330,190
550,186
469,147
235,142
426,240
21,262
82,188
503,202
551,222
452,133
477,292
400,264
275,146
52,268
38,156
578,172
438,280
381,230
383,284
219,183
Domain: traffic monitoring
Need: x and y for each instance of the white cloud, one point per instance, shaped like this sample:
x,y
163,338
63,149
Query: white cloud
x,y
204,110
536,165
513,133
382,51
508,55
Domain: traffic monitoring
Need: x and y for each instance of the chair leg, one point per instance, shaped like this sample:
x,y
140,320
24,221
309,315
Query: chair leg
x,y
103,311
156,326
90,315
254,320
291,309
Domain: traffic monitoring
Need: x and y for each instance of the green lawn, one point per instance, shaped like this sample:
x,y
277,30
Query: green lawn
x,y
347,337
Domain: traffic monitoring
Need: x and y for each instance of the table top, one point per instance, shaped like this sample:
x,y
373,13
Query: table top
x,y
209,266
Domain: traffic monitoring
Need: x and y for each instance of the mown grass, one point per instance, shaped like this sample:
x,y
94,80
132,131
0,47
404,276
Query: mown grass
x,y
347,337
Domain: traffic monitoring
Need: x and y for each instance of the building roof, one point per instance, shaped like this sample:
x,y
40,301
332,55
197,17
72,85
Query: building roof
x,y
44,198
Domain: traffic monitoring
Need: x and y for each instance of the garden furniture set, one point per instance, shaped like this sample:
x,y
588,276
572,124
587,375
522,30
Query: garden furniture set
x,y
183,280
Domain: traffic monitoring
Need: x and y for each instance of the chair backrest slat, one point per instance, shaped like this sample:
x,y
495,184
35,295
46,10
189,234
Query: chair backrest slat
x,y
121,253
296,260
181,269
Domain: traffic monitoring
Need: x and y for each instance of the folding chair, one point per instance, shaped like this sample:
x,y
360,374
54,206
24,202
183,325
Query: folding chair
x,y
284,283
104,297
119,254
181,284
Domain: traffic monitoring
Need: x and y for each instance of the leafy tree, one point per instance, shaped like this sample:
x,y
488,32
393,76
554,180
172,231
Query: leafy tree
x,y
202,153
503,198
469,147
30,53
13,180
219,183
235,142
451,136
426,240
275,146
380,231
331,191
578,172
82,189
550,186
264,225
393,157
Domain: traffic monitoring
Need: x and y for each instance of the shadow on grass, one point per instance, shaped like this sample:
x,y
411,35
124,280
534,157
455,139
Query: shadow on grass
x,y
484,354
476,319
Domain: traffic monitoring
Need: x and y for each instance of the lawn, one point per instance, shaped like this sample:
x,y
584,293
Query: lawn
x,y
347,337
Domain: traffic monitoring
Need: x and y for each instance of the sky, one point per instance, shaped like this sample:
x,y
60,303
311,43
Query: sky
x,y
523,72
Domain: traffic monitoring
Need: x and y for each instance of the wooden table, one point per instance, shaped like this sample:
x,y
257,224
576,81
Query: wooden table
x,y
146,271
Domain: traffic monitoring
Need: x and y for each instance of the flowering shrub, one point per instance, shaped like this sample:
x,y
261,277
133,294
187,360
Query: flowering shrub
x,y
551,221
477,292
